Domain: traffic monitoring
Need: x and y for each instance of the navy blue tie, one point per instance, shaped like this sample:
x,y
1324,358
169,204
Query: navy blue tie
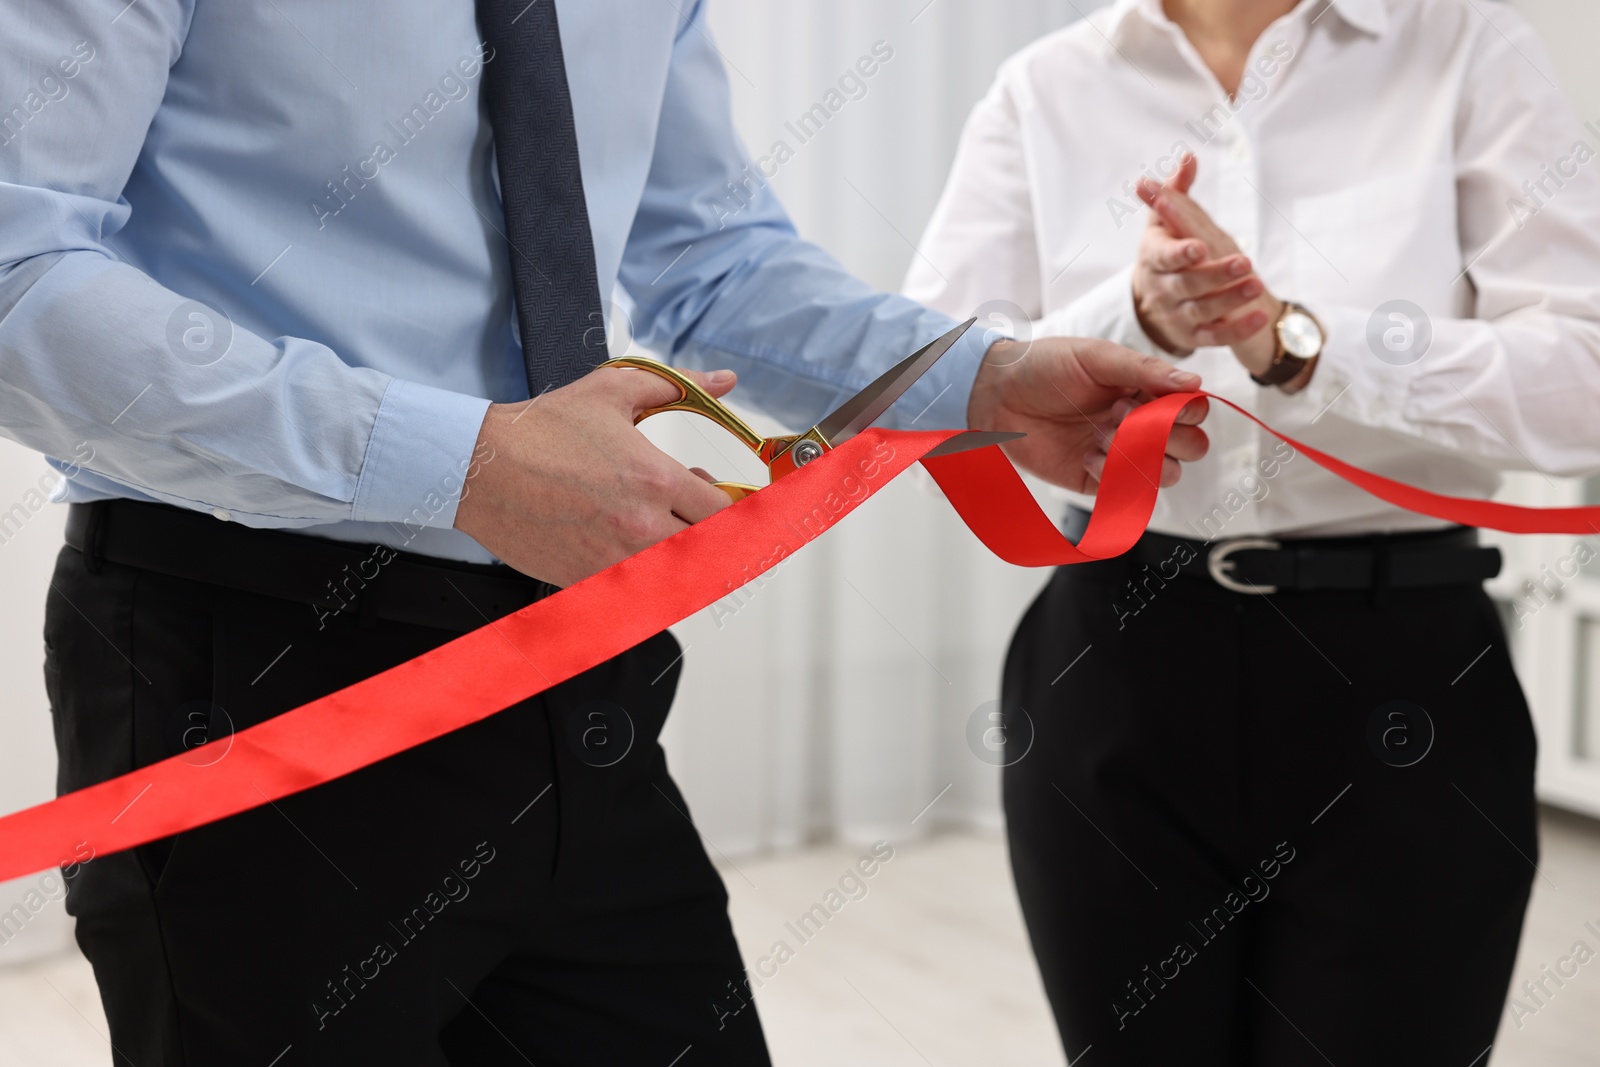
x,y
541,188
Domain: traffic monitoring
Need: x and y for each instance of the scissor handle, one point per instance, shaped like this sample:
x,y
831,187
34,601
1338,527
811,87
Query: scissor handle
x,y
694,400
737,491
697,401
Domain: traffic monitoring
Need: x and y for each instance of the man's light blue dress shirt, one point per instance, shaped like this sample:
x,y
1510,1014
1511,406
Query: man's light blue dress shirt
x,y
251,258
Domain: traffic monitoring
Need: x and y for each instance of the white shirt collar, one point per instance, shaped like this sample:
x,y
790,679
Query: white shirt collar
x,y
1369,16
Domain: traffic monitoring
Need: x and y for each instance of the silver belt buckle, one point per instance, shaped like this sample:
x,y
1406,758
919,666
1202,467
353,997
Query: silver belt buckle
x,y
1221,567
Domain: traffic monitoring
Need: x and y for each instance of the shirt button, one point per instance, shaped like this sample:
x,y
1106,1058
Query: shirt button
x,y
219,513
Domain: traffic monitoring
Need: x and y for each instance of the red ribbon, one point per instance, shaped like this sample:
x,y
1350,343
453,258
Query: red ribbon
x,y
993,501
546,643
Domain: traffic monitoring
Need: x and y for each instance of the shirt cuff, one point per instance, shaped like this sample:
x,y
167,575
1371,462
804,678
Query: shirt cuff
x,y
418,455
1350,381
1105,312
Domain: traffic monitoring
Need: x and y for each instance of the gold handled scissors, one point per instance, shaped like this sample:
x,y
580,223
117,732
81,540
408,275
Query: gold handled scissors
x,y
786,454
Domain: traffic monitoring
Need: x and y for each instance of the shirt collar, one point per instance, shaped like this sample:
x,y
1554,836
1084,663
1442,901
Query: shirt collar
x,y
1369,16
1117,24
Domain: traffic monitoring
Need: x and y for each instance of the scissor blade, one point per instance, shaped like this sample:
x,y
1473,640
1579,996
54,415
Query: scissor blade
x,y
966,442
863,409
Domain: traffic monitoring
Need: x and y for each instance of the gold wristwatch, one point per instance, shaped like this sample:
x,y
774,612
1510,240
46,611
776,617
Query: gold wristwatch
x,y
1297,340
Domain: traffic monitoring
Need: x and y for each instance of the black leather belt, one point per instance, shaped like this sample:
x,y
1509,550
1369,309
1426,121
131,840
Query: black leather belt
x,y
1262,565
332,578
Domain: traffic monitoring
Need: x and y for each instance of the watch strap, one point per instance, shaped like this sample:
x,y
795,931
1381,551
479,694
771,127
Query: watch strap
x,y
1284,368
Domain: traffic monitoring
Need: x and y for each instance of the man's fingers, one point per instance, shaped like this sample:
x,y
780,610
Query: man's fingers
x,y
1095,464
718,383
1187,443
639,390
695,498
1117,367
1194,412
636,391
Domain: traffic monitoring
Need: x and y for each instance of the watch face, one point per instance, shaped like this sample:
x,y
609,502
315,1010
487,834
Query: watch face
x,y
1300,334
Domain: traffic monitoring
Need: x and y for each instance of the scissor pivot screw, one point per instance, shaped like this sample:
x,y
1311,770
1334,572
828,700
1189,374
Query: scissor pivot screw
x,y
804,452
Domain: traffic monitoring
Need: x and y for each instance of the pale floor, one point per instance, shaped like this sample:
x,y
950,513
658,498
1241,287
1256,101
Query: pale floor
x,y
928,967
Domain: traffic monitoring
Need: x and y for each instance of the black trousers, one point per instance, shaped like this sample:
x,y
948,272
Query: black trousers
x,y
1286,830
512,893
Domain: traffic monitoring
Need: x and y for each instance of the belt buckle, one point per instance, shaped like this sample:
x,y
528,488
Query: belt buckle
x,y
1221,567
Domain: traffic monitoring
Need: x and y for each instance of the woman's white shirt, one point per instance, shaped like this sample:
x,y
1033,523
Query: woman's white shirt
x,y
1406,169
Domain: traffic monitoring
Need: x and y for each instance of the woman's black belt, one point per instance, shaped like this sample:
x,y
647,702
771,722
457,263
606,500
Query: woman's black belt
x,y
1260,565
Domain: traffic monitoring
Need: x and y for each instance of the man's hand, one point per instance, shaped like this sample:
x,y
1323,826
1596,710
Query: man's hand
x,y
1068,395
569,487
1191,284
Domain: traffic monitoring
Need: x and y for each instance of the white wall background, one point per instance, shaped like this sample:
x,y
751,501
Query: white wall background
x,y
835,700
27,750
